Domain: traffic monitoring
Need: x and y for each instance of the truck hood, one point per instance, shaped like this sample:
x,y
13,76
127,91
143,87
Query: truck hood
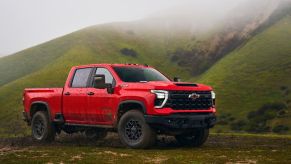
x,y
167,85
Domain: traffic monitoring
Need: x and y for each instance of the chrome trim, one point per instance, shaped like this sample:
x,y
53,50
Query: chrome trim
x,y
166,97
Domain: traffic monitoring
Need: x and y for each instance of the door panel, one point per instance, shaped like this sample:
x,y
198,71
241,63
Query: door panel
x,y
74,105
101,105
100,109
75,97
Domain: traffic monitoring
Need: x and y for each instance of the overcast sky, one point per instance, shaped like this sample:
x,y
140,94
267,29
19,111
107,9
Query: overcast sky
x,y
24,23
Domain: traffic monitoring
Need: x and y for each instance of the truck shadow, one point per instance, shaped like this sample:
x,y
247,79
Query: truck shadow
x,y
80,140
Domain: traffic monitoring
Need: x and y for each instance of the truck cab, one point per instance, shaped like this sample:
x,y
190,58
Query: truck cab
x,y
137,101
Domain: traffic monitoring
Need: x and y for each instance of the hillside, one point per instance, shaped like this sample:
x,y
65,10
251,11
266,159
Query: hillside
x,y
48,64
255,77
174,51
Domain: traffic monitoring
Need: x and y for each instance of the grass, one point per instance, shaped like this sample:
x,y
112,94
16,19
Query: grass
x,y
252,75
218,149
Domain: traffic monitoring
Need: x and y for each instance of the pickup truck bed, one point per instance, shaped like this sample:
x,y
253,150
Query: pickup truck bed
x,y
52,97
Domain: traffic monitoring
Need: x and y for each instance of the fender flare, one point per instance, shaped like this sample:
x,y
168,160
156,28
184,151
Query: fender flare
x,y
43,103
132,101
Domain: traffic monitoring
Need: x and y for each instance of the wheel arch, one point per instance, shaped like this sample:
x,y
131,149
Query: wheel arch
x,y
128,105
39,106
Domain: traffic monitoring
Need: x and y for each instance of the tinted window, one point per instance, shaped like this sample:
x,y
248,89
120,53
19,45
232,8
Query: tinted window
x,y
138,74
106,73
81,77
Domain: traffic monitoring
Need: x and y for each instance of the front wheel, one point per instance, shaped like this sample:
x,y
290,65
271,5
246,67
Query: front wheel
x,y
42,128
134,132
196,138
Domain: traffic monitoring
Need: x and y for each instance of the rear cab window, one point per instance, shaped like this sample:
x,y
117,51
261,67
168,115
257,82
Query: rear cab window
x,y
81,77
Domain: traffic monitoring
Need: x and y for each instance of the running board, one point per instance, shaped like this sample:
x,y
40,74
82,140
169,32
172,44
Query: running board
x,y
88,125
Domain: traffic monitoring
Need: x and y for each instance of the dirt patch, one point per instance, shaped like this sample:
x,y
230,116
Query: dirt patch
x,y
163,142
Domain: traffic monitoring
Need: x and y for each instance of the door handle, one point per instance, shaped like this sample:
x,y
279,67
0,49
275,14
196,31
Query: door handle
x,y
67,93
90,93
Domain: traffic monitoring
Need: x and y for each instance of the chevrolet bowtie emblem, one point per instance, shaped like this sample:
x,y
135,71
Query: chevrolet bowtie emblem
x,y
193,96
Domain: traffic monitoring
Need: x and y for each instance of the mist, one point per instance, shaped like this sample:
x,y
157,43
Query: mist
x,y
31,22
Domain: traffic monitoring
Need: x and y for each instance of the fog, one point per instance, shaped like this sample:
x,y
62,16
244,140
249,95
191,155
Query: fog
x,y
31,22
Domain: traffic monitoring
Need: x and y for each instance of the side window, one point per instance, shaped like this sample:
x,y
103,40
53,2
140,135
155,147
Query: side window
x,y
81,77
106,73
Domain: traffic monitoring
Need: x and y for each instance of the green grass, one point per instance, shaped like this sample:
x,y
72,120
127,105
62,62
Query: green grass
x,y
252,75
218,149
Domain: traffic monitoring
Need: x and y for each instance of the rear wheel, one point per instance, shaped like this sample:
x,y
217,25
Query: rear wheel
x,y
196,138
134,131
42,128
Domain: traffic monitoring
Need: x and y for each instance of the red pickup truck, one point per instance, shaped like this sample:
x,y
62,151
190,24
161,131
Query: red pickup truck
x,y
135,100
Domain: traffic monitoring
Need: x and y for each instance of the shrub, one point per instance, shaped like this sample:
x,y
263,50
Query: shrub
x,y
254,127
280,129
238,125
128,52
257,120
225,119
282,113
283,88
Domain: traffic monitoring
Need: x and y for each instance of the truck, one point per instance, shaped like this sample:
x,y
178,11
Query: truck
x,y
136,101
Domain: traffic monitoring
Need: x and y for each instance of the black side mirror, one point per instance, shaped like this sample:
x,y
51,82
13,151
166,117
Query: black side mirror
x,y
99,82
177,79
109,88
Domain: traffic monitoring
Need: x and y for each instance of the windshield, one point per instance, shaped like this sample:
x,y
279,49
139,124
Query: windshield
x,y
139,74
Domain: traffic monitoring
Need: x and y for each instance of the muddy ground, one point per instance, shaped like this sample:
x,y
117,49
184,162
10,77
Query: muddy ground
x,y
218,149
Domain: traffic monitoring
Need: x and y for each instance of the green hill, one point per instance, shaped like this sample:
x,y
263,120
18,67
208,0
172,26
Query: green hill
x,y
255,77
47,65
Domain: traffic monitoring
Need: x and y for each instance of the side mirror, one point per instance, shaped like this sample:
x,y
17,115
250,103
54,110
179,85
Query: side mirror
x,y
99,82
109,88
177,79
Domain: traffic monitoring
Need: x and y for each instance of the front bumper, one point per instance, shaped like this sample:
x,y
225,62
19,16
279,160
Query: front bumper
x,y
182,121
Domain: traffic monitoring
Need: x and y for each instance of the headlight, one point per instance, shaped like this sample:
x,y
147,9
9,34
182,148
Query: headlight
x,y
161,97
212,94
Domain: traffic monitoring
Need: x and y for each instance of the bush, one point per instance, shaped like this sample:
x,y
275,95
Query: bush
x,y
225,119
257,120
267,111
128,52
280,129
282,113
283,88
257,127
238,125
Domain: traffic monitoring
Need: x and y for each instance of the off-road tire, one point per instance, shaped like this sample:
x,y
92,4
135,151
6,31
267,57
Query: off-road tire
x,y
197,138
42,128
147,135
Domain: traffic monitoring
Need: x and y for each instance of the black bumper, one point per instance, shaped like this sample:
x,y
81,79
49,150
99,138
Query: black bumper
x,y
182,121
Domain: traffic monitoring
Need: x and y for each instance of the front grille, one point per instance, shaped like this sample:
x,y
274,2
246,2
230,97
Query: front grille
x,y
179,100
